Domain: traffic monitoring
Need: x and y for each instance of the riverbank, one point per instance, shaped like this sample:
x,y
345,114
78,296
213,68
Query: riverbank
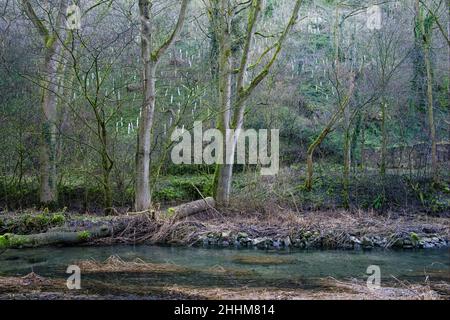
x,y
317,230
278,230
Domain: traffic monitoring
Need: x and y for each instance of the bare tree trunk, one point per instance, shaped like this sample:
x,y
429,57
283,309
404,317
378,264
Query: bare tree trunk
x,y
383,141
143,195
150,61
48,190
347,158
224,171
223,187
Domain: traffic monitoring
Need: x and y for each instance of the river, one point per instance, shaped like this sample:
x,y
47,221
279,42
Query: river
x,y
247,268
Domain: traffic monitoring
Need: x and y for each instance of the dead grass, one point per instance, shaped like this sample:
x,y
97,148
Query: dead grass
x,y
36,287
331,290
274,221
402,291
30,282
333,224
116,264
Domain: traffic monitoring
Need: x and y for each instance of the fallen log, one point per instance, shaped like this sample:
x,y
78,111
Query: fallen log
x,y
191,208
10,240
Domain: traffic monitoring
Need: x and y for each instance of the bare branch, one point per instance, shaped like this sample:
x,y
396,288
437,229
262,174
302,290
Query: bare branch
x,y
166,45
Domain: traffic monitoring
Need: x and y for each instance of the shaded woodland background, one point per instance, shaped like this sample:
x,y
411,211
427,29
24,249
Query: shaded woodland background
x,y
377,154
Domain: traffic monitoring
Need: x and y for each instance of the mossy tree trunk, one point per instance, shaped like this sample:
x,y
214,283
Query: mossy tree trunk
x,y
324,133
347,164
232,105
9,240
426,23
223,172
363,143
49,74
107,166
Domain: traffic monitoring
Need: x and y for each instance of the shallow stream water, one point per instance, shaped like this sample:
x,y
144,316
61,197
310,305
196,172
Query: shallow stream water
x,y
251,268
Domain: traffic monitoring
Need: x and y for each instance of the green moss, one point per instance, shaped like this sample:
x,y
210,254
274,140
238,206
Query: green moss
x,y
169,193
12,240
17,240
29,223
49,40
414,237
57,219
4,241
170,212
42,219
84,235
174,188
